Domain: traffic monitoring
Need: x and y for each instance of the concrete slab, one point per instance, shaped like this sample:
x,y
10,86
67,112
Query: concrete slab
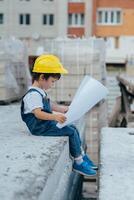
x,y
32,167
117,164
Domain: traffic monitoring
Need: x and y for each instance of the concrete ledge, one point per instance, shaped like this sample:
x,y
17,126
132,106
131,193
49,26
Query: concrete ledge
x,y
117,164
33,167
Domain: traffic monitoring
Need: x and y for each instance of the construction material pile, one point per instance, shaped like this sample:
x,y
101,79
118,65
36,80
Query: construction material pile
x,y
14,72
80,57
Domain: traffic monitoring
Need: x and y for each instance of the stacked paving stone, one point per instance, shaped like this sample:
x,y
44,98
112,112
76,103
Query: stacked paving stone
x,y
14,74
80,57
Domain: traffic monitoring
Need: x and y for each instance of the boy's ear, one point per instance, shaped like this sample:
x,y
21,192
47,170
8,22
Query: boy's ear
x,y
41,77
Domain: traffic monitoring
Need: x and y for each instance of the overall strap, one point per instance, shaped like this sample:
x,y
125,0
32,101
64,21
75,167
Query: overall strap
x,y
31,90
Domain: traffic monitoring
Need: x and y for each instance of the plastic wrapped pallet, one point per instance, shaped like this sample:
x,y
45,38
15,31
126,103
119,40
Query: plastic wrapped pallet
x,y
14,73
80,57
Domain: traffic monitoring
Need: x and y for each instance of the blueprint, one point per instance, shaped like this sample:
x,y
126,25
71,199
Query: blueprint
x,y
89,93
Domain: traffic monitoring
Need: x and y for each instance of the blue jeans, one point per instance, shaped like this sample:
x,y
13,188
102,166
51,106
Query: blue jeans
x,y
73,134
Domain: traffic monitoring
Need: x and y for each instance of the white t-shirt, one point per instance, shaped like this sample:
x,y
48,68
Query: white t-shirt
x,y
33,100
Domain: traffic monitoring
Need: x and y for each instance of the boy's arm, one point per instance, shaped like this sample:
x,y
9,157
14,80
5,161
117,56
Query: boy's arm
x,y
48,116
59,108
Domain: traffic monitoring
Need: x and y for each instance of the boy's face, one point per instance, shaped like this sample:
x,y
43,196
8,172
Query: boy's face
x,y
47,84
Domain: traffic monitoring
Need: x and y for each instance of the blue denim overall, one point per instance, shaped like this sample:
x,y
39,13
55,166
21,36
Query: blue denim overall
x,y
48,127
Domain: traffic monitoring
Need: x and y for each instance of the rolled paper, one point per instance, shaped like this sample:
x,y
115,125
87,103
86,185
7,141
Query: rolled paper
x,y
89,93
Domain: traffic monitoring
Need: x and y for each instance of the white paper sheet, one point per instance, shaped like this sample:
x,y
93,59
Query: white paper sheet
x,y
89,93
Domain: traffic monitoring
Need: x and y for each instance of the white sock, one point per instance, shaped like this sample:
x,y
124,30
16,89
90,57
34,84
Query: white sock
x,y
78,160
82,151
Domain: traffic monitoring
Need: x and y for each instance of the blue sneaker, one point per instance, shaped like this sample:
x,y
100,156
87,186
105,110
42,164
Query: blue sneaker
x,y
90,162
84,169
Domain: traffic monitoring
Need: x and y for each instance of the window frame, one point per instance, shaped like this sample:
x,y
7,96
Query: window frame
x,y
2,18
76,19
112,18
24,19
49,19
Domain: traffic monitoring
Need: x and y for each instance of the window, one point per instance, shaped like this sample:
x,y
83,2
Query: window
x,y
82,19
100,17
112,17
106,17
118,16
24,19
45,19
76,19
1,18
51,19
48,19
70,19
109,16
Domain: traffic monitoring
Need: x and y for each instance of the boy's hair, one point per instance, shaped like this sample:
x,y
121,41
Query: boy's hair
x,y
36,76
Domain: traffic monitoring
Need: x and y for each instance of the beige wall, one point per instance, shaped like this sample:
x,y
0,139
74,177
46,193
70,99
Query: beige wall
x,y
88,19
12,9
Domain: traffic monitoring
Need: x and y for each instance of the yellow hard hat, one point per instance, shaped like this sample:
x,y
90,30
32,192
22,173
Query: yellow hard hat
x,y
48,64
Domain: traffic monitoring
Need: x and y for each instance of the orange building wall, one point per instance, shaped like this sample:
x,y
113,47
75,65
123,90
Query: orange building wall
x,y
78,32
115,3
127,26
76,7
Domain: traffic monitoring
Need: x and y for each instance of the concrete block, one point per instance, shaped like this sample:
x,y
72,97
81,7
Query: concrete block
x,y
116,158
33,167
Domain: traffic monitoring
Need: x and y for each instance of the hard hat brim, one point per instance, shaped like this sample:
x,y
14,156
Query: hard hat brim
x,y
63,71
60,71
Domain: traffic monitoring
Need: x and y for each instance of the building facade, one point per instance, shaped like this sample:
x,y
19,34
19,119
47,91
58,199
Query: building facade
x,y
113,18
34,21
31,18
80,18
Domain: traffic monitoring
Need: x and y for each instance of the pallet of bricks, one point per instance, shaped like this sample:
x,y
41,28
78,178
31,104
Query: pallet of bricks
x,y
14,73
81,57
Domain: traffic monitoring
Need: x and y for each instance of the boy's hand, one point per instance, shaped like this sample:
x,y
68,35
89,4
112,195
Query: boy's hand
x,y
64,109
60,118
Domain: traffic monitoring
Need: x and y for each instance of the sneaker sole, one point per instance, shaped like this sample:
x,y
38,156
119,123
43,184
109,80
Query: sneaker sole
x,y
84,173
95,168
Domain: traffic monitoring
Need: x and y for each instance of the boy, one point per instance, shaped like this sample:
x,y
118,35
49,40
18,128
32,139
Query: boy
x,y
36,111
